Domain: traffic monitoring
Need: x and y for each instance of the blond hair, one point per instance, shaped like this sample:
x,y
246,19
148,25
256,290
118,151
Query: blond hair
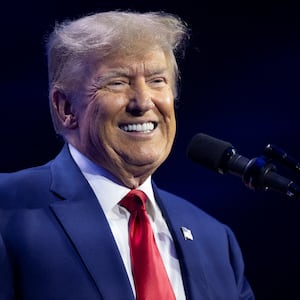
x,y
101,34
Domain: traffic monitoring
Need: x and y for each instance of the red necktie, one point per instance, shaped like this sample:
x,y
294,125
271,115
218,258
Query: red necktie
x,y
150,277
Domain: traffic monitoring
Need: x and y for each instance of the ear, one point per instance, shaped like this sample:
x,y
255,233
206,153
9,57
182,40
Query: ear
x,y
64,109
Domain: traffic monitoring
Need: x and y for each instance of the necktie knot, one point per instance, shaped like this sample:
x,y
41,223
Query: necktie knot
x,y
134,200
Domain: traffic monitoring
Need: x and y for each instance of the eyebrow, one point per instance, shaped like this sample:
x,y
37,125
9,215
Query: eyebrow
x,y
116,72
125,72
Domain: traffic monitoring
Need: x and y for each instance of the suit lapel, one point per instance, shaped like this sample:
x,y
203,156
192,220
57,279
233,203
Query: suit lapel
x,y
81,216
194,279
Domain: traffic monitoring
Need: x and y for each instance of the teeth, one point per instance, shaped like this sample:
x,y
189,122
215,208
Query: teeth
x,y
144,127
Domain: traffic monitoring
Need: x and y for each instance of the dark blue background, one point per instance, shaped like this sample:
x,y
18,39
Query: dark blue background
x,y
240,83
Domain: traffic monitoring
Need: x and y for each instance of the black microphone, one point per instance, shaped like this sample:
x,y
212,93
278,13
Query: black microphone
x,y
222,157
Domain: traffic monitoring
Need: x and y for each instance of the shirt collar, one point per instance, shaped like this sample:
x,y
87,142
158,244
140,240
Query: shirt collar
x,y
107,188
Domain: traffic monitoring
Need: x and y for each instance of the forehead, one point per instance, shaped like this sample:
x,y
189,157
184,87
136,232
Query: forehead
x,y
155,61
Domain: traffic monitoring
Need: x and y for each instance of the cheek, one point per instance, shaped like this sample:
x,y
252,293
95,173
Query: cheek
x,y
171,119
91,121
106,106
97,111
99,119
172,129
168,110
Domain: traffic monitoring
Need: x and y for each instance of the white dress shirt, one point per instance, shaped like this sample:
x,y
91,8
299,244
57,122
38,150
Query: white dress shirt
x,y
109,192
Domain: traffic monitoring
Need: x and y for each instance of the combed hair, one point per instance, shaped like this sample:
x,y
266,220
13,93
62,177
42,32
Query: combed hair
x,y
98,35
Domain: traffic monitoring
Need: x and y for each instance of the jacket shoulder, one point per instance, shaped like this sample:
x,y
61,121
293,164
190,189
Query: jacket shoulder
x,y
184,208
16,186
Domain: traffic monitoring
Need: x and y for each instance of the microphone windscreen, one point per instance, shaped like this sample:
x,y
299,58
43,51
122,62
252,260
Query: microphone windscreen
x,y
207,151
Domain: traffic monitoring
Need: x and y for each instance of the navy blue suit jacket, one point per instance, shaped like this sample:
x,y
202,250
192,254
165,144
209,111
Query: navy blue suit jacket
x,y
56,243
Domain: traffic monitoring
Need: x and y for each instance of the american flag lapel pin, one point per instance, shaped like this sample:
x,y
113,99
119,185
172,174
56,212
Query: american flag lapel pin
x,y
187,233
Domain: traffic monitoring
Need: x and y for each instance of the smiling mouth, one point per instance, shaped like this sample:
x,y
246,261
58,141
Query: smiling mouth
x,y
140,127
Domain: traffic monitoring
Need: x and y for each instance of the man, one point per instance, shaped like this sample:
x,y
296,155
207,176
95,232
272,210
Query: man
x,y
112,86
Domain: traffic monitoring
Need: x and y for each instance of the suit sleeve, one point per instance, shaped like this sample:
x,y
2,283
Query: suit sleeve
x,y
237,262
6,279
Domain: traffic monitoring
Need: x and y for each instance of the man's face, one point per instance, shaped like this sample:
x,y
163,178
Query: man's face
x,y
126,119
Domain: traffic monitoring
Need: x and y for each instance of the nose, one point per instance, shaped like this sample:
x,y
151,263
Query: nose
x,y
140,100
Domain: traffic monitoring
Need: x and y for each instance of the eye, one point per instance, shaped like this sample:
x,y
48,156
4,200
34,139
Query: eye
x,y
158,82
117,85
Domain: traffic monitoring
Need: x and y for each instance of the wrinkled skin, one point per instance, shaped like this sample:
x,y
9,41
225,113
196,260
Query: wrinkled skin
x,y
122,91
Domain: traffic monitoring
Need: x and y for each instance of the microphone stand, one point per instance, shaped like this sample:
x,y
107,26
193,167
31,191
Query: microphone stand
x,y
260,174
